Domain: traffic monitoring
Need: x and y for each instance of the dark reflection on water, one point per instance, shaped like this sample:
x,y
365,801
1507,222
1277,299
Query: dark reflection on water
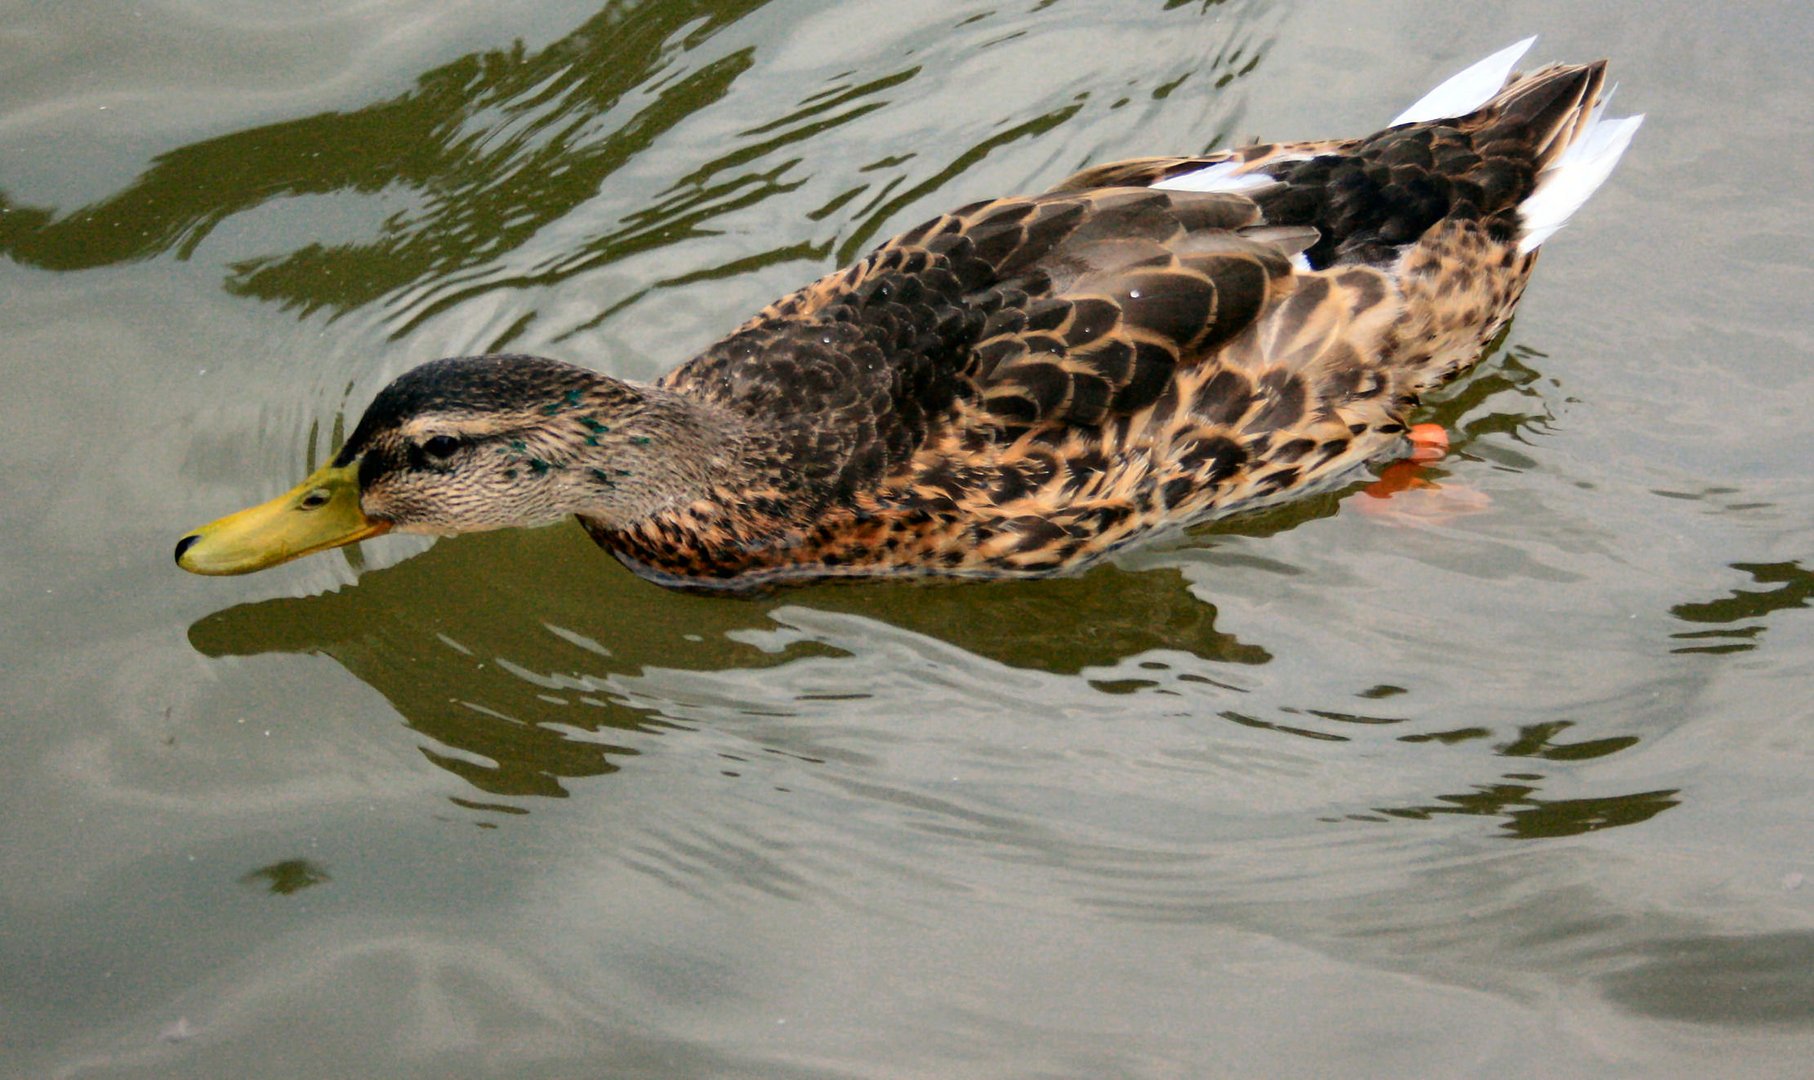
x,y
511,652
504,647
1539,740
1061,625
1744,979
445,638
1793,586
288,877
1526,816
1529,818
489,149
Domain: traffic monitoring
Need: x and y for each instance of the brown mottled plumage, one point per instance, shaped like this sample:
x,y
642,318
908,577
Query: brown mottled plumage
x,y
1023,385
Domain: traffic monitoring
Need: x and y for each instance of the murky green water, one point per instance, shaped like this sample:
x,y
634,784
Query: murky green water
x,y
1524,791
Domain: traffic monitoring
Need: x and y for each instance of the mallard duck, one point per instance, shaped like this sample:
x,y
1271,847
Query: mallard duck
x,y
1017,387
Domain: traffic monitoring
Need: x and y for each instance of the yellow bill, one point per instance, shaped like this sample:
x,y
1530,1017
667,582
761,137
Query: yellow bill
x,y
321,512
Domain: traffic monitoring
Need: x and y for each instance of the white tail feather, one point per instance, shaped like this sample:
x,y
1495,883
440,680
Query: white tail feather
x,y
1561,190
1218,177
1581,169
1459,95
1462,93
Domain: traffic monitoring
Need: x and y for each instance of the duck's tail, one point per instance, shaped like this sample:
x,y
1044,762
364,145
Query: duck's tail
x,y
1557,112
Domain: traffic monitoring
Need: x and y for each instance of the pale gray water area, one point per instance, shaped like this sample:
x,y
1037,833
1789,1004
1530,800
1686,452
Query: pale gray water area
x,y
1521,791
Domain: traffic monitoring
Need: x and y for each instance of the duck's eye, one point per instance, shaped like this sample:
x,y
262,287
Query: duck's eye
x,y
441,447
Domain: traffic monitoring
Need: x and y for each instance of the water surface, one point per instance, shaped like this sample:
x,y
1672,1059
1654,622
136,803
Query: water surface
x,y
1312,794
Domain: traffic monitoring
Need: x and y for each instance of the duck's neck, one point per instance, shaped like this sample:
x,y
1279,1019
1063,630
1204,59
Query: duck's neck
x,y
660,450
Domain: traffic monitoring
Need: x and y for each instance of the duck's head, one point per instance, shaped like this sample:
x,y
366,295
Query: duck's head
x,y
476,443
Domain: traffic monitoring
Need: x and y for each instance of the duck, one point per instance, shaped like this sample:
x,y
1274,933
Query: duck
x,y
1021,386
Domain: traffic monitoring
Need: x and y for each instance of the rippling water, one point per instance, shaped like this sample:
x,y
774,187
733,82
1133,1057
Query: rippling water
x,y
1311,794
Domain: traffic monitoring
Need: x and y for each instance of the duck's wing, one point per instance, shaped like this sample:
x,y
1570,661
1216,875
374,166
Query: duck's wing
x,y
1102,296
1239,170
1202,343
1061,311
1066,307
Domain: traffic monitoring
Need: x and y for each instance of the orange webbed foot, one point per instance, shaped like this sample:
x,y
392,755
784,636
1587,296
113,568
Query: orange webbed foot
x,y
1403,495
1429,442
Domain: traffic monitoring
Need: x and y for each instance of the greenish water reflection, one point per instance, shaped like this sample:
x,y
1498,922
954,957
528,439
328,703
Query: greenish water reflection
x,y
288,877
1528,817
489,150
509,651
503,645
484,152
1794,586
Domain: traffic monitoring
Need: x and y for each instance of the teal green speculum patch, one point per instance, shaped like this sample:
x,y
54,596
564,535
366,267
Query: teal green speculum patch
x,y
594,426
570,400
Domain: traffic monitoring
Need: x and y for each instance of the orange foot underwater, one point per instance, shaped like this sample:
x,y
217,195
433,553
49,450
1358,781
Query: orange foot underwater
x,y
1403,495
